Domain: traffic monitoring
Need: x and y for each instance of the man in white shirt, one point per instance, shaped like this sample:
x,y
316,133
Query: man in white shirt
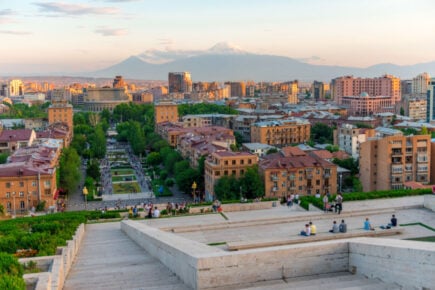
x,y
156,212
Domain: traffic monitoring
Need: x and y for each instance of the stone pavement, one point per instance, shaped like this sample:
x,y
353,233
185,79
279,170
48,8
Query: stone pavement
x,y
108,259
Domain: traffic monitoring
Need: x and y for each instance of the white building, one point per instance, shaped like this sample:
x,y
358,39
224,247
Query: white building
x,y
420,84
350,137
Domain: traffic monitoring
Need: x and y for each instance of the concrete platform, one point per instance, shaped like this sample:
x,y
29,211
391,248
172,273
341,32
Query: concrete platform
x,y
108,259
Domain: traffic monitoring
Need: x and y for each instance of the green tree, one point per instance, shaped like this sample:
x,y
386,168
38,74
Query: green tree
x,y
170,160
154,158
424,131
239,139
321,133
332,148
98,143
79,143
349,163
186,178
252,184
227,188
271,151
69,169
93,169
402,111
3,158
105,115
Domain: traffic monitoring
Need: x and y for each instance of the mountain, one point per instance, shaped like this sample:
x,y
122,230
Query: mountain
x,y
224,62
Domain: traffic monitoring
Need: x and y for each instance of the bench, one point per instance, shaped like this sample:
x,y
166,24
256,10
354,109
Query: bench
x,y
245,245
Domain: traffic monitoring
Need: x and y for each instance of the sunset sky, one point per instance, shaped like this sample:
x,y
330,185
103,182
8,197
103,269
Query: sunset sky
x,y
88,35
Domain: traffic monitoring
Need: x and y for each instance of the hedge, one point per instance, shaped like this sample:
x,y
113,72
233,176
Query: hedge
x,y
11,273
317,202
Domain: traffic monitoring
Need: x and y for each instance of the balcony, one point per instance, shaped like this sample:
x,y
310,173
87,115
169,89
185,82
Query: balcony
x,y
309,176
291,177
274,189
422,158
396,153
273,178
326,175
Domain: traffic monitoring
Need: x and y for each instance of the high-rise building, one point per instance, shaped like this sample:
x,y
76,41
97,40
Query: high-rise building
x,y
386,85
281,132
237,89
180,82
430,111
318,90
389,162
16,88
119,82
420,84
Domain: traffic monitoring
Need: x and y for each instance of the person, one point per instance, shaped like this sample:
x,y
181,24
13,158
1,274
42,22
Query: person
x,y
296,201
393,221
156,212
289,201
216,205
325,203
339,203
313,229
368,226
342,228
334,228
307,231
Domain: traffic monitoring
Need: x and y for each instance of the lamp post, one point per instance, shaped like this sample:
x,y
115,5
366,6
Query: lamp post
x,y
341,177
194,191
85,193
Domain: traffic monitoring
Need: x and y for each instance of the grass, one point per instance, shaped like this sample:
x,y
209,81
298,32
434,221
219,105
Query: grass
x,y
424,239
131,187
123,177
217,244
120,171
418,224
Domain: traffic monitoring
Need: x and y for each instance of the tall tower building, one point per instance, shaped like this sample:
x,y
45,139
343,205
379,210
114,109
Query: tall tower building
x,y
430,103
180,82
237,89
318,90
16,88
420,84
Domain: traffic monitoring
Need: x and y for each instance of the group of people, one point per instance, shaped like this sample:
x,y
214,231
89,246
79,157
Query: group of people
x,y
171,207
311,230
337,205
291,199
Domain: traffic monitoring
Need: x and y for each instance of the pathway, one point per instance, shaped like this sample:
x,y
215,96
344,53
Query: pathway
x,y
108,259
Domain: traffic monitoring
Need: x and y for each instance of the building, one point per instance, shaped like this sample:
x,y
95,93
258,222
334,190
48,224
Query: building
x,y
237,89
180,82
430,103
258,149
60,112
420,84
366,105
29,179
386,85
223,164
281,132
202,120
318,90
388,162
415,108
165,112
297,172
349,138
16,88
143,98
98,99
12,140
119,83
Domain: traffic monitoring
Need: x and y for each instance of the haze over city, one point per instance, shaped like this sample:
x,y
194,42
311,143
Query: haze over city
x,y
80,36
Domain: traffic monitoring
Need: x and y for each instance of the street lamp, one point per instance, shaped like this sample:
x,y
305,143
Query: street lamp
x,y
341,177
194,189
85,193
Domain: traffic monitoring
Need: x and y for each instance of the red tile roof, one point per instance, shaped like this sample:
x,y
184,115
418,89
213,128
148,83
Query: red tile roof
x,y
294,162
292,151
324,154
15,135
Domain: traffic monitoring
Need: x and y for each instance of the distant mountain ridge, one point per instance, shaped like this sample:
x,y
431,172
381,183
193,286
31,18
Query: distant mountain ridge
x,y
225,62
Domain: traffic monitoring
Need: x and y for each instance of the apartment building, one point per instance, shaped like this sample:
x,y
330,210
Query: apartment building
x,y
281,132
349,138
297,172
165,112
12,140
223,163
415,108
388,162
60,112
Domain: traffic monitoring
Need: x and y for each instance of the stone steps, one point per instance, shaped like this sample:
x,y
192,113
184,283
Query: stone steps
x,y
108,259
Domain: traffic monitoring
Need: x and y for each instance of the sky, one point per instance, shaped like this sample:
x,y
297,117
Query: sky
x,y
88,35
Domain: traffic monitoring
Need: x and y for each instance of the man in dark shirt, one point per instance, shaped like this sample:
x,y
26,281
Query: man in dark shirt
x,y
393,221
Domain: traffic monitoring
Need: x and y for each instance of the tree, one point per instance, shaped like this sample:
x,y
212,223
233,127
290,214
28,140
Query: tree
x,y
252,184
154,158
332,148
69,169
93,170
170,160
186,178
105,115
239,139
79,143
3,158
227,188
402,111
349,163
234,147
321,133
98,143
424,131
271,151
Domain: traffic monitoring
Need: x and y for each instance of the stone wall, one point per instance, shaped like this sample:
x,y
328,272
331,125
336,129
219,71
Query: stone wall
x,y
409,264
236,206
429,202
57,266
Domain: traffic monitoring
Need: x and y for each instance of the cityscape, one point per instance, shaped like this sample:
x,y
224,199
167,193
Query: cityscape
x,y
301,161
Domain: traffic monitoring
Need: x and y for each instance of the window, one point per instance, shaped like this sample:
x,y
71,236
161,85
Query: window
x,y
317,182
8,205
233,172
47,191
217,173
47,183
233,162
242,162
8,194
21,184
249,161
242,171
8,185
226,172
22,204
21,194
226,162
34,183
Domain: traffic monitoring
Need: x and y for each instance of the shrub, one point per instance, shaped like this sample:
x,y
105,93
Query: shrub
x,y
9,265
12,282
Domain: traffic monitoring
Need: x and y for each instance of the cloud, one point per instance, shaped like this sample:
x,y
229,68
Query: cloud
x,y
313,58
15,32
165,41
6,12
111,31
74,9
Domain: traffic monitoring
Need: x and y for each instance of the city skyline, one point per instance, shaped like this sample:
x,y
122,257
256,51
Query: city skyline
x,y
80,36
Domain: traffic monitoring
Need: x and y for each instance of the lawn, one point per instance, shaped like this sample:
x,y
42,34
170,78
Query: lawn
x,y
131,187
